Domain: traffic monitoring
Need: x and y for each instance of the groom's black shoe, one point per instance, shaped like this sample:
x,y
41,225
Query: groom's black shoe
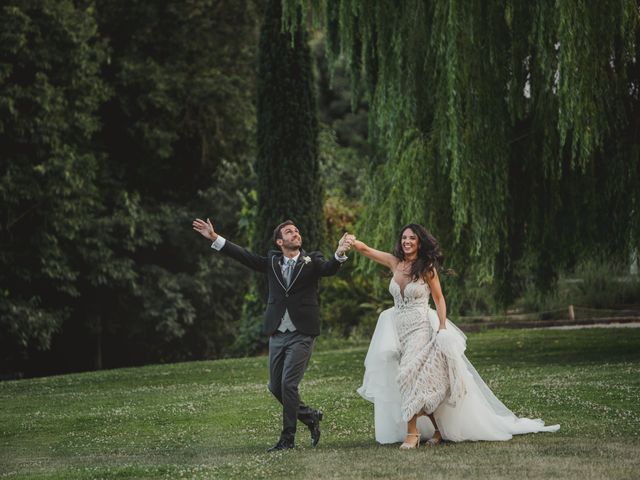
x,y
314,427
283,444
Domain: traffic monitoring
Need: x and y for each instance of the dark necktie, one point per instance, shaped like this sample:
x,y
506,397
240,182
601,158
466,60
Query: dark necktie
x,y
288,270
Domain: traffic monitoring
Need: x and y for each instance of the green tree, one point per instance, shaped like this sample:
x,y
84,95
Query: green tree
x,y
287,162
508,128
50,91
120,121
178,133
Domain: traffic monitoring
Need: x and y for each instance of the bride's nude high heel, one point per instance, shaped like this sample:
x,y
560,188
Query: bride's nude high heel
x,y
409,445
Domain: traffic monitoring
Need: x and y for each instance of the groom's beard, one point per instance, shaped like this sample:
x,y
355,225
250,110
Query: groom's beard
x,y
292,245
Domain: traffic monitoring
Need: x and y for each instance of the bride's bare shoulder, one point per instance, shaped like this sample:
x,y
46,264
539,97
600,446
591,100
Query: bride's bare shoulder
x,y
394,262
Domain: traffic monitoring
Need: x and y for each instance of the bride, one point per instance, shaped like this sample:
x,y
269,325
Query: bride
x,y
416,368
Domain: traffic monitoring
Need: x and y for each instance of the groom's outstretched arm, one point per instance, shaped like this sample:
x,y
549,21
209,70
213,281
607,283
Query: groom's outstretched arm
x,y
242,255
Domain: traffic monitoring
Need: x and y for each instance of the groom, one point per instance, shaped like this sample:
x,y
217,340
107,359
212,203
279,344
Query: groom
x,y
292,318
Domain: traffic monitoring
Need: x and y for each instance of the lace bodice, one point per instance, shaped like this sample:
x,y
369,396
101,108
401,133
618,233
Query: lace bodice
x,y
416,294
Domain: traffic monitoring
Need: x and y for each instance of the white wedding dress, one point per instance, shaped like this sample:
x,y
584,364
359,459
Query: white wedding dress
x,y
411,368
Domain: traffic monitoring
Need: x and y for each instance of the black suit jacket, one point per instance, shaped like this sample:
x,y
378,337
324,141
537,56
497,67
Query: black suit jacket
x,y
300,298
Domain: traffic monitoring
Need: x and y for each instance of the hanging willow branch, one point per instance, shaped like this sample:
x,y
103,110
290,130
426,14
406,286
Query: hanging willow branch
x,y
500,123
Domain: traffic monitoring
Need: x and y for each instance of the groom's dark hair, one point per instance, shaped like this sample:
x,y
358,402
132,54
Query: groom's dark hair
x,y
277,233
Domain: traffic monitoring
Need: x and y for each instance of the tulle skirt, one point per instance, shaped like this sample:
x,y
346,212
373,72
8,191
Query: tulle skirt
x,y
470,411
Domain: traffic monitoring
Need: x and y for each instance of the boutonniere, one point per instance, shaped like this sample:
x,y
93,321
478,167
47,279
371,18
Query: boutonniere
x,y
306,259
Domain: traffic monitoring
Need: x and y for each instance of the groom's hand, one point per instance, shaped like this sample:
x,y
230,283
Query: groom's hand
x,y
342,247
345,243
205,229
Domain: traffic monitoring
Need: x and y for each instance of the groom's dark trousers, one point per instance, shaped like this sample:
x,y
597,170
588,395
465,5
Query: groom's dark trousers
x,y
289,352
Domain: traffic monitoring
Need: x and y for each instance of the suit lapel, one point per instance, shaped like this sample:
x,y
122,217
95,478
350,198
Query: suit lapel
x,y
277,271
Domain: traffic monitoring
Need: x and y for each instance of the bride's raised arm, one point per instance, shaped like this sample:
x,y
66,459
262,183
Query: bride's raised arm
x,y
383,258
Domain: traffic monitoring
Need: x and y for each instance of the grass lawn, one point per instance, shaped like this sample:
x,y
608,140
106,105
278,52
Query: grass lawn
x,y
215,419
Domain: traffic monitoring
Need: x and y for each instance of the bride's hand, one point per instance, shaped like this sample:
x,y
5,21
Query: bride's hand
x,y
358,245
350,239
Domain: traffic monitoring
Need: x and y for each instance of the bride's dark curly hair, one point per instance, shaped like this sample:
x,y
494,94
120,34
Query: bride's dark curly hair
x,y
430,256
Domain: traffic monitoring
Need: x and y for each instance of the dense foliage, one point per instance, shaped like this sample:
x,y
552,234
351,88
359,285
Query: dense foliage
x,y
510,129
287,162
120,120
50,92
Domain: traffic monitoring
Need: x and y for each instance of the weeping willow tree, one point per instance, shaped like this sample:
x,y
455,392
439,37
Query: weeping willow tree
x,y
511,129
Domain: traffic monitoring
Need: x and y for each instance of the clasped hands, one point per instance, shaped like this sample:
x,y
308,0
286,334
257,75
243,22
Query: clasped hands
x,y
345,243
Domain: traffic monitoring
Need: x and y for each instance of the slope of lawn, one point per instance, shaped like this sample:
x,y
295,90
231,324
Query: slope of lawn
x,y
215,419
